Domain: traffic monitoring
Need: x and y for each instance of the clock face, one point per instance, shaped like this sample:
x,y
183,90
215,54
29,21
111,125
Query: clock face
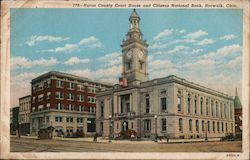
x,y
140,54
129,54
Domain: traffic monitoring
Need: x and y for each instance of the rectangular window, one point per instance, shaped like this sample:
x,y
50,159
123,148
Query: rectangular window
x,y
197,125
163,103
180,125
80,107
202,126
58,119
147,104
80,87
70,119
208,126
59,84
179,103
195,105
190,125
163,124
70,96
80,98
189,103
79,120
218,126
48,95
59,106
70,107
71,85
59,95
147,125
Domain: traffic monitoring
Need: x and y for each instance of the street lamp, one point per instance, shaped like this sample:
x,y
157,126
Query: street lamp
x,y
155,128
110,128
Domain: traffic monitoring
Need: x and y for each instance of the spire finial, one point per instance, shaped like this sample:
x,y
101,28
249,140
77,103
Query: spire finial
x,y
236,92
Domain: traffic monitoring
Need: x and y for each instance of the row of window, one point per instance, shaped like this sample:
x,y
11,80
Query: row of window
x,y
42,86
217,110
70,85
60,95
224,111
69,119
80,108
206,126
70,96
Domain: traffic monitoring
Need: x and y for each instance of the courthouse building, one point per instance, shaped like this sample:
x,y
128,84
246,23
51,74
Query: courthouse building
x,y
24,114
169,106
65,102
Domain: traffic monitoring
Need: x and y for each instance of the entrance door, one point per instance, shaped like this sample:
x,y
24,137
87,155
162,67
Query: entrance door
x,y
124,125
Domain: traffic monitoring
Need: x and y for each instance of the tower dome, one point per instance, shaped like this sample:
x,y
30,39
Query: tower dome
x,y
237,102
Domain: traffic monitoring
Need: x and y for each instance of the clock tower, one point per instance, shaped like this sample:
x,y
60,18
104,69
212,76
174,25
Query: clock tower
x,y
134,53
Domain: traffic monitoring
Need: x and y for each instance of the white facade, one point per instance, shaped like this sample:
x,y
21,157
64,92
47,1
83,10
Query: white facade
x,y
169,106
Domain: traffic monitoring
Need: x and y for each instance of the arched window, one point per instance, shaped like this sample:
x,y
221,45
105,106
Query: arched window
x,y
202,126
197,125
225,111
218,126
212,107
195,105
207,108
208,126
179,101
201,105
190,125
189,103
221,110
217,109
180,125
222,127
213,126
147,104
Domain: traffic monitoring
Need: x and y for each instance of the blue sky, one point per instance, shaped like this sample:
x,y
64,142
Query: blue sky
x,y
203,46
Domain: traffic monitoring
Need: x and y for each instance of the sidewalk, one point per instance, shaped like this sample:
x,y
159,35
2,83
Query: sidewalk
x,y
105,140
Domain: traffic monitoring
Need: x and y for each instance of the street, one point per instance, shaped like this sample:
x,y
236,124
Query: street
x,y
57,145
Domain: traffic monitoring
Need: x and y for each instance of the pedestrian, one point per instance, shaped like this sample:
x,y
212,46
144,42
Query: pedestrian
x,y
95,137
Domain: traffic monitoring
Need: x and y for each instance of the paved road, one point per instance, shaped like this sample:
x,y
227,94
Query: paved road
x,y
35,145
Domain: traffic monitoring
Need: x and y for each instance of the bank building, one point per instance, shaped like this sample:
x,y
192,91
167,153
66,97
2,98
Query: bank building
x,y
169,106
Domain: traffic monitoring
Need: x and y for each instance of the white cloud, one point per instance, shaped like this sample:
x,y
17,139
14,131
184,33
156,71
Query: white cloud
x,y
182,31
197,50
185,41
164,33
66,48
158,46
205,41
76,60
195,35
236,61
87,73
228,37
177,49
111,59
35,39
229,49
224,51
22,62
89,42
199,63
